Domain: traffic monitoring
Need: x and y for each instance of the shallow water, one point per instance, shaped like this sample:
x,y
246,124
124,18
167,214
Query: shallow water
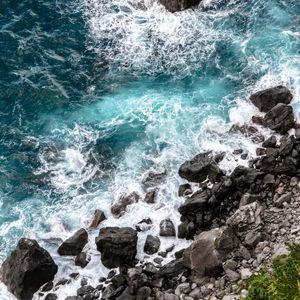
x,y
96,93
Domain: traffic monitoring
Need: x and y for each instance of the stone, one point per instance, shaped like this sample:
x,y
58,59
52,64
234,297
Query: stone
x,y
232,275
74,245
245,273
27,268
99,217
171,269
199,168
119,208
270,142
166,228
154,178
184,190
117,246
81,260
209,250
195,203
152,244
267,99
243,177
125,295
143,293
286,198
179,5
248,198
150,197
51,296
280,118
183,288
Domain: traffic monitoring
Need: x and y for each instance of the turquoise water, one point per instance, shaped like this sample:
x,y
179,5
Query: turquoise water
x,y
93,94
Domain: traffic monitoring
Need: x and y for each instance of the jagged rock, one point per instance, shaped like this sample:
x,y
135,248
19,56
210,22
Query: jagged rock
x,y
184,190
27,268
172,269
154,178
152,244
74,244
286,198
209,250
136,279
150,197
126,295
110,292
199,168
81,260
166,228
178,5
195,203
270,142
244,177
248,198
99,217
117,246
267,99
144,225
120,206
280,118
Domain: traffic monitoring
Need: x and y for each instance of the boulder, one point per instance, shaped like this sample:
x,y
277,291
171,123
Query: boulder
x,y
199,168
178,5
99,217
150,197
166,228
154,178
209,250
280,118
267,99
171,269
27,268
120,206
270,142
81,260
152,244
195,203
74,244
117,246
243,177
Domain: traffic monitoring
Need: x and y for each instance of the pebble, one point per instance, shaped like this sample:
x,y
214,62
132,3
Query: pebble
x,y
245,273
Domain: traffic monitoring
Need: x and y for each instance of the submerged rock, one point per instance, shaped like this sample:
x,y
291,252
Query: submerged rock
x,y
267,99
117,246
207,253
280,118
74,244
99,217
154,178
178,5
199,168
120,206
27,268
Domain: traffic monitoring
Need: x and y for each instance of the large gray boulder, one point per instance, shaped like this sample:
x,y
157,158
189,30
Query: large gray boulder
x,y
27,268
178,5
117,246
199,168
280,118
267,99
209,250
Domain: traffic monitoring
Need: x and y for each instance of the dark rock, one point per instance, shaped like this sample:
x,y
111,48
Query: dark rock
x,y
125,295
166,228
237,151
51,296
171,269
244,177
73,298
195,203
219,157
118,280
150,197
47,287
249,198
178,5
74,244
136,279
186,230
152,244
81,260
27,268
111,274
144,225
117,246
270,142
63,281
99,217
286,198
154,178
179,253
209,250
74,275
257,120
111,292
267,99
184,190
260,151
88,292
286,147
269,179
280,118
120,207
143,293
199,168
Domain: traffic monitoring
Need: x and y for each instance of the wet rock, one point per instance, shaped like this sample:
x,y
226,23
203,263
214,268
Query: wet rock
x,y
244,177
154,178
51,296
172,269
257,120
184,190
99,217
178,5
120,207
88,292
195,203
125,295
117,246
280,118
152,244
27,268
210,248
166,228
47,287
144,225
267,99
199,168
270,142
81,260
150,197
74,244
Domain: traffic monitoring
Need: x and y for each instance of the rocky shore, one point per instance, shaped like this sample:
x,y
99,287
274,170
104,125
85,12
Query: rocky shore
x,y
236,223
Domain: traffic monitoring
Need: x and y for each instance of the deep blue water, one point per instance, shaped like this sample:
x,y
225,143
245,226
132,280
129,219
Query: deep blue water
x,y
95,93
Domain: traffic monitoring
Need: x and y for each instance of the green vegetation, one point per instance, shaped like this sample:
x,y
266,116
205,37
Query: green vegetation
x,y
283,283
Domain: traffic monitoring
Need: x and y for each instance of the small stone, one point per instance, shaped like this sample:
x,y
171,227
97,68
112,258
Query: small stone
x,y
183,288
167,228
245,273
294,181
286,198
